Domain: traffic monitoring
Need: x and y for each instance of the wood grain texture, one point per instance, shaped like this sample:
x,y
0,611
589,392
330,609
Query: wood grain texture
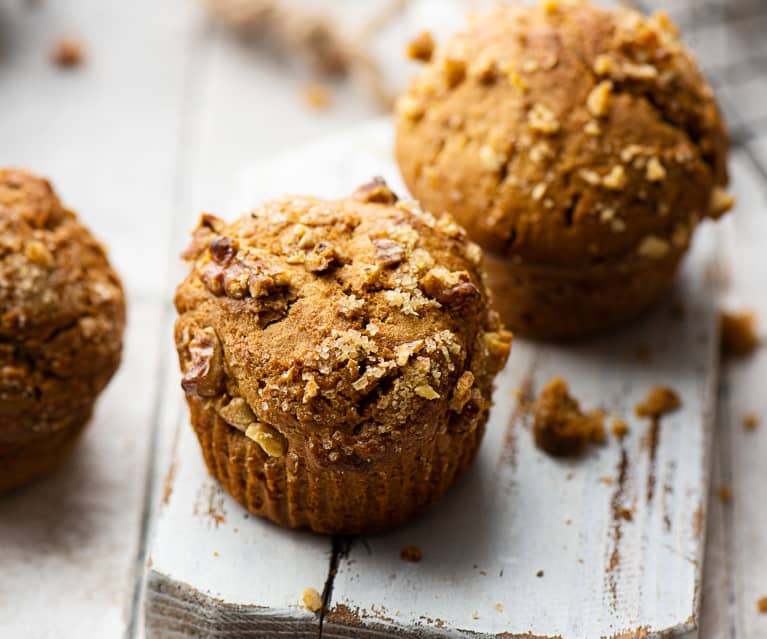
x,y
518,511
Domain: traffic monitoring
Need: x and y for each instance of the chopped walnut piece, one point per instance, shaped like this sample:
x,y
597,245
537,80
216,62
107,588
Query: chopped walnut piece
x,y
560,427
656,172
421,48
499,345
237,413
659,401
491,159
721,202
426,391
271,441
639,71
604,65
321,258
599,98
592,128
411,553
38,253
653,247
204,372
310,390
451,288
615,180
388,252
223,249
454,70
739,332
462,392
312,599
542,119
375,191
68,51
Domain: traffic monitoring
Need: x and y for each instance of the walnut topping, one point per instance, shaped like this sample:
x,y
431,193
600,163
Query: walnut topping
x,y
630,152
426,391
38,253
615,179
542,119
237,413
404,352
604,65
592,177
310,390
271,441
410,108
656,172
491,159
721,202
498,346
599,98
454,70
462,392
375,191
451,288
639,71
473,253
204,369
539,190
653,247
421,48
321,258
387,251
223,249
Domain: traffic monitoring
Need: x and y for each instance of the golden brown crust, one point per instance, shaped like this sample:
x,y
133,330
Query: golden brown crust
x,y
62,314
343,334
565,135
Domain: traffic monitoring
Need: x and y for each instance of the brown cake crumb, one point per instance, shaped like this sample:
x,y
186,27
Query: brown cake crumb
x,y
739,332
751,422
312,599
761,605
619,428
411,553
560,427
421,48
626,514
724,493
317,97
659,401
68,51
539,574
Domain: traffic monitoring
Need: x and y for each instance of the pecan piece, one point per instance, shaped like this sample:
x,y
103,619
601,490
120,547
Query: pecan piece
x,y
376,191
388,252
204,369
223,249
451,288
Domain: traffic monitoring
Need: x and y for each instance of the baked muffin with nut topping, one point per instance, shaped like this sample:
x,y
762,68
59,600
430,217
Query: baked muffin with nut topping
x,y
338,357
62,314
579,146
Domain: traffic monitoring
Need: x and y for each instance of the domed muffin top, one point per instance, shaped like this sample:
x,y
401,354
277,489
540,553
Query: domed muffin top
x,y
565,134
361,317
62,310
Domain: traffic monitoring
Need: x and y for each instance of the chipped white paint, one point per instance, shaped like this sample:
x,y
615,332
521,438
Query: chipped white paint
x,y
517,512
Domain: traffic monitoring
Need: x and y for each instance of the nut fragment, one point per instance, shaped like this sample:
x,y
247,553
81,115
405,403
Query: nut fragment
x,y
599,98
454,70
376,191
426,391
270,440
311,599
204,366
421,48
38,253
462,392
388,252
653,247
615,179
655,170
542,119
237,413
321,258
721,202
451,288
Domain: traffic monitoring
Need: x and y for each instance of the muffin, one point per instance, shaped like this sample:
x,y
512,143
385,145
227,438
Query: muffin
x,y
580,147
62,314
338,357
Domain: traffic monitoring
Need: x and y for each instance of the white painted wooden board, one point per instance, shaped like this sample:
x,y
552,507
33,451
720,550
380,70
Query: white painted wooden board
x,y
517,512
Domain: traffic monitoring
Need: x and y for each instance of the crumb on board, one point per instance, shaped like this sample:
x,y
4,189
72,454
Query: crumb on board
x,y
421,48
626,514
560,427
751,422
739,332
317,97
475,615
499,607
619,427
659,401
607,481
724,493
68,51
761,605
215,553
312,600
411,553
539,574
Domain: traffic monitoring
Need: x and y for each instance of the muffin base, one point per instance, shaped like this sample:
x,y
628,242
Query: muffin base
x,y
560,304
326,499
25,462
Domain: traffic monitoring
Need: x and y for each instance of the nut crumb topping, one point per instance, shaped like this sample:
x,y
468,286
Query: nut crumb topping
x,y
653,247
599,98
616,179
543,120
421,48
655,170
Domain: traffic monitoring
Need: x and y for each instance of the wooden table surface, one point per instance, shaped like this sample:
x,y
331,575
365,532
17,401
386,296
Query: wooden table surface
x,y
151,130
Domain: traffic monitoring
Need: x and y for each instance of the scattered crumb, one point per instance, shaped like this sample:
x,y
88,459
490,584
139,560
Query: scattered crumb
x,y
724,493
68,51
312,599
607,481
317,97
215,553
568,522
421,48
560,427
149,562
475,615
539,574
739,332
483,573
751,422
626,513
619,427
659,401
499,607
411,553
761,605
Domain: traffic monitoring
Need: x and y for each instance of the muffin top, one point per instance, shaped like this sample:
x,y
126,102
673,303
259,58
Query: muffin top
x,y
62,309
565,134
350,321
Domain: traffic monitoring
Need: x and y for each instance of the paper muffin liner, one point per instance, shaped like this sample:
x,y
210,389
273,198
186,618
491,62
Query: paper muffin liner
x,y
326,499
559,303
